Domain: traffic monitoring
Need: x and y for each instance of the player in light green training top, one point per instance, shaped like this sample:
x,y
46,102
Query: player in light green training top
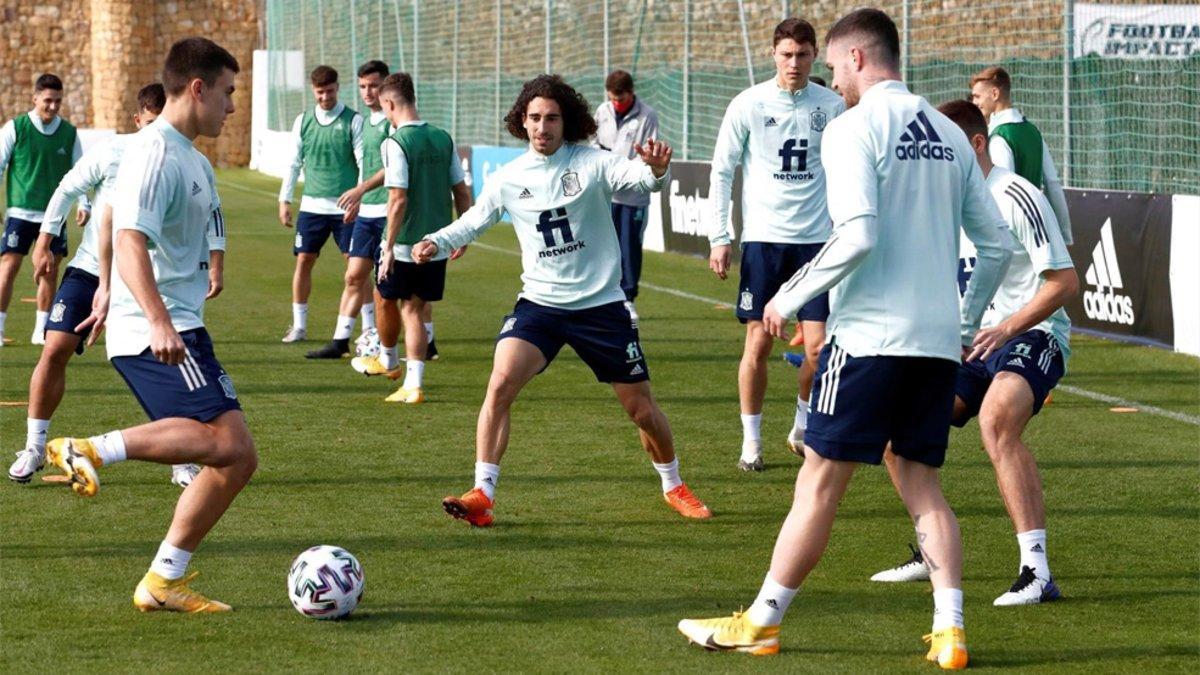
x,y
38,149
329,148
1014,143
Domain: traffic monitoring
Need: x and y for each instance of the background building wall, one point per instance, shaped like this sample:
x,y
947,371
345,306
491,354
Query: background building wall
x,y
105,50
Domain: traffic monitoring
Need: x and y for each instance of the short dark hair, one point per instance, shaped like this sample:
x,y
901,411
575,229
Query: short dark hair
x,y
997,77
48,81
152,97
967,116
818,80
323,76
873,24
374,66
578,123
795,29
192,58
619,82
402,84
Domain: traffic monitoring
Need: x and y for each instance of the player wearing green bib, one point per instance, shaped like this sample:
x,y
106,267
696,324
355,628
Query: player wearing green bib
x,y
1014,143
421,174
38,149
329,148
365,216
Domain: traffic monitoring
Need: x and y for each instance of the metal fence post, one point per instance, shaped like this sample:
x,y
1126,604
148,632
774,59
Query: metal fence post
x,y
607,69
321,28
904,42
1068,50
549,6
416,43
353,39
454,77
746,41
399,34
687,68
499,30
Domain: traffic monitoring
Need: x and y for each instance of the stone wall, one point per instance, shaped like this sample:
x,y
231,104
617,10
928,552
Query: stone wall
x,y
105,50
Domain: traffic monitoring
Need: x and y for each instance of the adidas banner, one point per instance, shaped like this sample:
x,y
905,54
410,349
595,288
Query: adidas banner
x,y
1122,253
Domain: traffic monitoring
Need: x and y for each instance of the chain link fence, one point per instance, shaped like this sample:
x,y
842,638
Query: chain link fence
x,y
1110,123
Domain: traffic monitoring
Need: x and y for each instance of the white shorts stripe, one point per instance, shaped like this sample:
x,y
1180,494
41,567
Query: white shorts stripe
x,y
187,377
190,361
837,380
830,379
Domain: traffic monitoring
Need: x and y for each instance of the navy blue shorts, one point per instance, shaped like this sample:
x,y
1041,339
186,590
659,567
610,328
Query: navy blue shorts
x,y
630,222
405,280
1034,355
605,337
73,303
19,236
859,404
197,389
365,234
766,267
313,229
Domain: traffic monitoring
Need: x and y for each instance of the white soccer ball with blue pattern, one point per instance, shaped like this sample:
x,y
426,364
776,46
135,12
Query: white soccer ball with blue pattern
x,y
325,582
367,344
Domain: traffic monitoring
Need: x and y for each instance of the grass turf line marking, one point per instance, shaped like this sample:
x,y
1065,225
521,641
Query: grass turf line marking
x,y
1085,393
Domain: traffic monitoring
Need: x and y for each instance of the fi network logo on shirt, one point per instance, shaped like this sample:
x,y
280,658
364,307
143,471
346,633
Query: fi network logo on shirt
x,y
1104,303
921,141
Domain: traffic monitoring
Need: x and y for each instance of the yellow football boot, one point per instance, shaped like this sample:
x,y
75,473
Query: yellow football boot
x,y
156,594
948,648
732,634
409,396
373,365
77,457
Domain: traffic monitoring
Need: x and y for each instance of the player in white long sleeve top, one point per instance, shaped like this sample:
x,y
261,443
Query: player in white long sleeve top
x,y
81,303
1016,361
559,195
774,131
328,145
1015,144
164,202
903,182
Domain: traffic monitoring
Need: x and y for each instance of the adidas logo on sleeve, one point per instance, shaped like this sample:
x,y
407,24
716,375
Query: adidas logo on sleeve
x,y
921,141
1104,303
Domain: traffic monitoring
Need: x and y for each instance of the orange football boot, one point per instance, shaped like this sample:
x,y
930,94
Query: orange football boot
x,y
687,504
797,337
473,507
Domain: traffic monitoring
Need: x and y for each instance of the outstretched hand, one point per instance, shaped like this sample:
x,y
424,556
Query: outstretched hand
x,y
656,155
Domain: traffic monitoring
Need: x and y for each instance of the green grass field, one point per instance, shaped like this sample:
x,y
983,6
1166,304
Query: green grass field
x,y
586,569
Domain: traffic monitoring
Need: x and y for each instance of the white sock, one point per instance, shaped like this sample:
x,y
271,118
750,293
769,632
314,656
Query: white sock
x,y
414,373
429,332
947,609
35,433
800,424
368,316
390,356
170,562
670,474
771,604
486,477
300,315
39,326
751,437
110,447
345,326
3,318
1033,552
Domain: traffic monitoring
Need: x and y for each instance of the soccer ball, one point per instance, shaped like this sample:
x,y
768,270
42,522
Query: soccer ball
x,y
367,344
325,582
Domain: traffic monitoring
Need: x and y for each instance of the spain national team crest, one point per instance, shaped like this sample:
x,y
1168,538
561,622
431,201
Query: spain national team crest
x,y
747,301
56,314
817,120
570,184
227,387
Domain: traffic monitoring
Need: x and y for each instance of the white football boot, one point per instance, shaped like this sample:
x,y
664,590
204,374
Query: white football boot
x,y
913,570
29,461
1029,589
183,474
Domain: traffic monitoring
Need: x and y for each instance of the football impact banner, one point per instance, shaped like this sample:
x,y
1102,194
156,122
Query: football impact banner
x,y
1137,31
689,211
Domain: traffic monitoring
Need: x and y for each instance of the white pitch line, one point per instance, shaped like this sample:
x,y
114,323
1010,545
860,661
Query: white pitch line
x,y
1085,393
